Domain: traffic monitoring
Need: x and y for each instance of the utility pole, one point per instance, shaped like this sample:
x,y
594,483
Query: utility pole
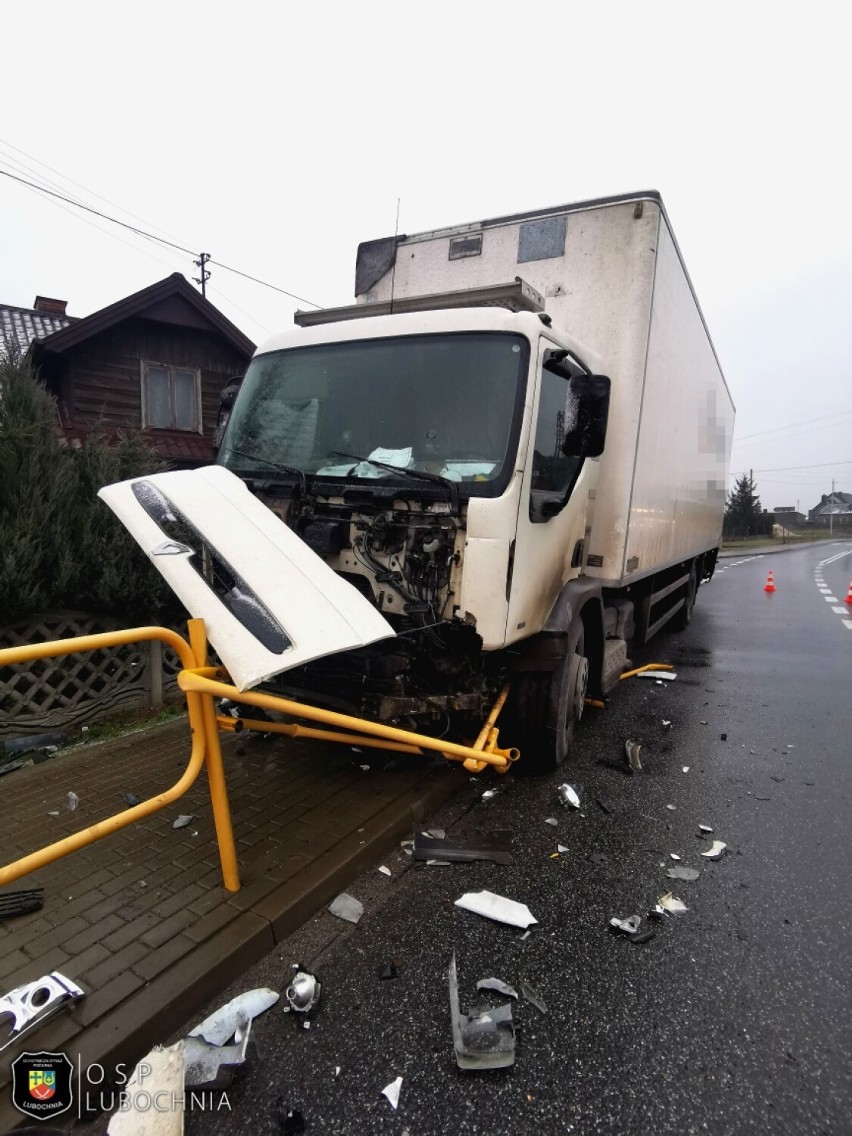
x,y
205,275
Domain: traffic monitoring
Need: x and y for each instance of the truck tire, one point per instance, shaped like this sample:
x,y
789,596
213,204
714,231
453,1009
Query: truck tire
x,y
683,618
546,707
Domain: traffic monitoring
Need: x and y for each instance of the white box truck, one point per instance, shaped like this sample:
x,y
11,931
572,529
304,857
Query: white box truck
x,y
515,445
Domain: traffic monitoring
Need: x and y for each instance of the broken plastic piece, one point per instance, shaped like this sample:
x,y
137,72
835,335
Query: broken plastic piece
x,y
160,1076
672,904
674,856
182,821
131,799
493,846
73,802
347,907
686,769
20,902
682,873
671,808
666,723
213,1065
532,996
561,848
632,750
387,970
568,795
629,926
481,1041
32,1002
496,907
229,1021
498,985
715,850
660,676
385,871
488,794
704,828
551,820
391,1091
657,913
303,993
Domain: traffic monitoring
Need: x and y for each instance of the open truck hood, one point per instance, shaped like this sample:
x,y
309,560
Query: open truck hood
x,y
273,604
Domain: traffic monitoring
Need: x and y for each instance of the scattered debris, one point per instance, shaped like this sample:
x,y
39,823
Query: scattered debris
x,y
53,813
303,993
525,935
674,856
715,850
671,808
30,1004
704,828
130,799
212,1066
533,997
482,1041
681,873
657,913
73,802
496,907
385,871
498,985
495,846
347,907
387,970
230,1021
569,794
603,807
365,768
685,769
183,820
160,1075
660,676
488,794
632,750
391,1091
561,848
666,723
551,820
672,904
290,1120
20,902
724,737
629,926
435,833
38,742
439,863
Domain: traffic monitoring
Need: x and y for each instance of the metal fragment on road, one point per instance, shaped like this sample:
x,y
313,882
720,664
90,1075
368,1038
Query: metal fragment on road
x,y
672,904
715,850
533,997
498,985
629,926
568,795
682,873
347,907
391,1091
632,751
229,1021
72,801
304,991
31,1003
483,1040
183,820
497,907
493,845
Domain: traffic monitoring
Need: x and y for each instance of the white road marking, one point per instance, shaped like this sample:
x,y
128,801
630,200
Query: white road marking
x,y
840,610
847,623
831,599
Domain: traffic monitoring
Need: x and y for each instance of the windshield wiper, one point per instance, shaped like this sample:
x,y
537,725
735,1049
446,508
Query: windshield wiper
x,y
417,474
291,469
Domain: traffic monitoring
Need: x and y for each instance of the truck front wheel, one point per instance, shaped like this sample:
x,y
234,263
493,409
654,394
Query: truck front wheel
x,y
546,706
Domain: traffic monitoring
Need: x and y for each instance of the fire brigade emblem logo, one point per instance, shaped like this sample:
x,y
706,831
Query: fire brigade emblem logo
x,y
41,1084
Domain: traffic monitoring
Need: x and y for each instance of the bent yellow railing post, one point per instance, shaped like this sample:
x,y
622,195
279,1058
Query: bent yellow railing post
x,y
647,667
12,656
215,768
207,680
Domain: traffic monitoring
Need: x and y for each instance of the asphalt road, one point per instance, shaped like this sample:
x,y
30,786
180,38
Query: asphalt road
x,y
734,1019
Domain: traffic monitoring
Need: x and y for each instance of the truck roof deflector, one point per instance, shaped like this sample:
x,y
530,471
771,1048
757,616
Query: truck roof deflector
x,y
271,603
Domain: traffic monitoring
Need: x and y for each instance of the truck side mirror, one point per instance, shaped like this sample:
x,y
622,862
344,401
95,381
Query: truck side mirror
x,y
585,438
226,401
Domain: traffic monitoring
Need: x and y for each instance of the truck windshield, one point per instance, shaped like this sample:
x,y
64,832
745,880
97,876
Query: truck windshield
x,y
443,404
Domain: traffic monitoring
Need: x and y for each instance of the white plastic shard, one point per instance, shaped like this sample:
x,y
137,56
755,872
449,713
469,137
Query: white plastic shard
x,y
496,907
672,904
715,850
392,1090
229,1020
275,605
665,676
630,925
498,985
158,1076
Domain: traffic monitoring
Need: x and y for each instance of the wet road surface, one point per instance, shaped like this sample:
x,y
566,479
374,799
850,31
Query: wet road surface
x,y
735,1018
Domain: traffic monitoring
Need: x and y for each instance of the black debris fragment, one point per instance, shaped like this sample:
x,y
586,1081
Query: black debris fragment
x,y
38,742
494,845
291,1122
20,902
387,970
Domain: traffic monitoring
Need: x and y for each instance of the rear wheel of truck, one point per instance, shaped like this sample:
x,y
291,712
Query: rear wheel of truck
x,y
546,706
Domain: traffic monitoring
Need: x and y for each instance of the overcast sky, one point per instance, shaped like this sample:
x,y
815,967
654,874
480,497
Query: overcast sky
x,y
276,137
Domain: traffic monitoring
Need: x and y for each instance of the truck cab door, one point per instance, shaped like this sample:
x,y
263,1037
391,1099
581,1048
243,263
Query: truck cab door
x,y
554,502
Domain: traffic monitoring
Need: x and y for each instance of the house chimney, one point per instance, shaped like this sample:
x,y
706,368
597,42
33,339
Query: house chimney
x,y
46,304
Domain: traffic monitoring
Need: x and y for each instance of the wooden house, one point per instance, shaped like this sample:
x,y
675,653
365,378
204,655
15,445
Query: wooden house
x,y
155,361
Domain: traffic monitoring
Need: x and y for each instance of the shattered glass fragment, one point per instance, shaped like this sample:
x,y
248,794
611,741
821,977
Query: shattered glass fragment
x,y
73,801
682,873
391,1091
182,821
533,997
568,795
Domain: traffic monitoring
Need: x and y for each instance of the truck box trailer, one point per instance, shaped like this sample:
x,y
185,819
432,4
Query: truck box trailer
x,y
514,445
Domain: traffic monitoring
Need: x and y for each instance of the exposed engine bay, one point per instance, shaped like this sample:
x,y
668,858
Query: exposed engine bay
x,y
407,562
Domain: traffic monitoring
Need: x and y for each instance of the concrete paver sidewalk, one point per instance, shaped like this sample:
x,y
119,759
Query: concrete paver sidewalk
x,y
140,919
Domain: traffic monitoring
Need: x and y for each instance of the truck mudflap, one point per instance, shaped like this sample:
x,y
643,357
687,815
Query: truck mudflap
x,y
268,602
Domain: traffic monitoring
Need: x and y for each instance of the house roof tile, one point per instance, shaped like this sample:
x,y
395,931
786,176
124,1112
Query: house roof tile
x,y
19,327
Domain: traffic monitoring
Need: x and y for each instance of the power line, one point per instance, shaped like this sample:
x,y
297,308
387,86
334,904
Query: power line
x,y
152,237
813,465
792,425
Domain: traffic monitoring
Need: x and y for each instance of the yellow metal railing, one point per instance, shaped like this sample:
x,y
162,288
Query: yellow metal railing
x,y
205,747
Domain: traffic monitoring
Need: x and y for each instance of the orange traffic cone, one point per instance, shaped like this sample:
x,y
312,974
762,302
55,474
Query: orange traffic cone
x,y
769,586
849,594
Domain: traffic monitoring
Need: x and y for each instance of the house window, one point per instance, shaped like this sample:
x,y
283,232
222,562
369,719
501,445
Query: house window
x,y
171,397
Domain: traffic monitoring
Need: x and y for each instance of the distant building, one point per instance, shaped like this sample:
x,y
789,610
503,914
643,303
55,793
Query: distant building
x,y
155,361
832,505
789,515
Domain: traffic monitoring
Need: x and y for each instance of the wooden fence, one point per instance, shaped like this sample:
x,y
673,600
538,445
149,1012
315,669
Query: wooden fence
x,y
78,689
